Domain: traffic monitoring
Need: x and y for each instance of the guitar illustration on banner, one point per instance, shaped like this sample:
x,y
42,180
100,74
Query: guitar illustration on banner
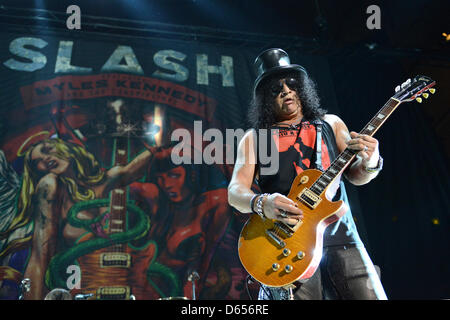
x,y
114,256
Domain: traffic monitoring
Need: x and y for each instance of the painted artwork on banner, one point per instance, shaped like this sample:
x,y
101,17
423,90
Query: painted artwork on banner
x,y
91,201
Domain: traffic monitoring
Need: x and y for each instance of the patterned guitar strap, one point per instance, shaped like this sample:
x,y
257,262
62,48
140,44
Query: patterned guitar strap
x,y
318,162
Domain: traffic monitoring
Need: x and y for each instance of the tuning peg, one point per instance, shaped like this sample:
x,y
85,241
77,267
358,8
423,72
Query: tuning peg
x,y
432,90
397,88
425,95
419,100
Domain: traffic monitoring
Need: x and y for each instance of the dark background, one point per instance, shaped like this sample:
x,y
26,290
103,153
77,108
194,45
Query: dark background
x,y
403,215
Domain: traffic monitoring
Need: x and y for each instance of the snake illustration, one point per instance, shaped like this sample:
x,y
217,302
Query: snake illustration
x,y
56,275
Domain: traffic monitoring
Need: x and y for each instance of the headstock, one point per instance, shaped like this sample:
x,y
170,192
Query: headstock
x,y
124,119
414,89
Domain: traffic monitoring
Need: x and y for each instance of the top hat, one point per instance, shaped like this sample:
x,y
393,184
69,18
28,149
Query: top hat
x,y
273,61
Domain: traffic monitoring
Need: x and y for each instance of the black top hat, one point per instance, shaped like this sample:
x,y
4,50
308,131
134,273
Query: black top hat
x,y
273,61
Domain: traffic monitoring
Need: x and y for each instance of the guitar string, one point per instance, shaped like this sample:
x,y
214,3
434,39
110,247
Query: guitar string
x,y
376,122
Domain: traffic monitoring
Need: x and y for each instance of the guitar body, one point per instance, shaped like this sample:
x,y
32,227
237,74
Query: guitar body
x,y
116,275
258,251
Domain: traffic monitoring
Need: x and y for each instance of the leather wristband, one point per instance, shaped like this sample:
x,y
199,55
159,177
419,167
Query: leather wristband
x,y
252,202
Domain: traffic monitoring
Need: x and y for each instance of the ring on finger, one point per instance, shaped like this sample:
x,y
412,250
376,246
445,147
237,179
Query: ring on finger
x,y
283,213
366,148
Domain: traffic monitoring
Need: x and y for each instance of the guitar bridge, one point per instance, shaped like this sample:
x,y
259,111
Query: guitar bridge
x,y
113,293
309,198
115,259
288,231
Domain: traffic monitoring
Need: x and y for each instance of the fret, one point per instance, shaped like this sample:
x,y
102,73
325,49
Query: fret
x,y
332,169
380,117
336,167
119,195
342,160
326,179
322,183
328,176
316,189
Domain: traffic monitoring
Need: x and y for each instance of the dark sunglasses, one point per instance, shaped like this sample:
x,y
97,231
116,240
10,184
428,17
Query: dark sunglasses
x,y
277,87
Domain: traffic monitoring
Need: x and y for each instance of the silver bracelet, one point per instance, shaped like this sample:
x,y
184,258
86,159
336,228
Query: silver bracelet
x,y
259,205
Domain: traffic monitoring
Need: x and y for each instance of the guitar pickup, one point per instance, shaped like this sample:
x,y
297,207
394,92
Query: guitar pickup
x,y
115,259
113,293
275,238
309,198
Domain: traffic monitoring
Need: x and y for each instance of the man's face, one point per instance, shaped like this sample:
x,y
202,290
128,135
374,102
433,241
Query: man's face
x,y
287,102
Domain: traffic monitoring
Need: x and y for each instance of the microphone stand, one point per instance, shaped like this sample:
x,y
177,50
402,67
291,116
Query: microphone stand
x,y
25,286
193,276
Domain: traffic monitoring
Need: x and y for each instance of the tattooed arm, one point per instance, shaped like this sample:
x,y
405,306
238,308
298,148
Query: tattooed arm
x,y
44,235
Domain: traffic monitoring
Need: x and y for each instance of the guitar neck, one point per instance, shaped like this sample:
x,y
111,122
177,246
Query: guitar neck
x,y
345,157
118,198
378,120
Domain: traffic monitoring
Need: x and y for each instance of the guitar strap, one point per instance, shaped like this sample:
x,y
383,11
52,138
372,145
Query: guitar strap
x,y
318,162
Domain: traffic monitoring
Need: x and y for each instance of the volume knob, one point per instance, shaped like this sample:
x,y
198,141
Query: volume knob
x,y
288,268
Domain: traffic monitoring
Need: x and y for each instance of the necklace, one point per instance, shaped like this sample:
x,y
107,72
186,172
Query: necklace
x,y
291,126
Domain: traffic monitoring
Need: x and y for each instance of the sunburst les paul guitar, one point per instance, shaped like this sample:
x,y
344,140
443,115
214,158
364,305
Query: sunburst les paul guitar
x,y
276,254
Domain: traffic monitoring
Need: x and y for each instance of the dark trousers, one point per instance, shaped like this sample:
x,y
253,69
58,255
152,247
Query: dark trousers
x,y
345,273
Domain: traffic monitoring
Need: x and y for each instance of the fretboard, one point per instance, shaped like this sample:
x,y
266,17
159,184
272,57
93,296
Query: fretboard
x,y
345,157
118,197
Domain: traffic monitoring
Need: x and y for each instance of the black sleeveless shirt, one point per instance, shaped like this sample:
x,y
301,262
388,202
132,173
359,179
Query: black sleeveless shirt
x,y
297,152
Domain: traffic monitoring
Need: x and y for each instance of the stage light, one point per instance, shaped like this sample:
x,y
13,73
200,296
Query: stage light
x,y
153,129
446,36
371,46
435,221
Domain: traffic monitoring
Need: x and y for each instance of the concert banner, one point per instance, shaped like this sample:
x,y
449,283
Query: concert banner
x,y
90,199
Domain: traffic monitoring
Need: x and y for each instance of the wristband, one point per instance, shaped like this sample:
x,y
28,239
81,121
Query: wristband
x,y
377,168
252,202
259,205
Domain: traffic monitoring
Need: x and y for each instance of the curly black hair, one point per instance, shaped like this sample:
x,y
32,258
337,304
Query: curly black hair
x,y
261,114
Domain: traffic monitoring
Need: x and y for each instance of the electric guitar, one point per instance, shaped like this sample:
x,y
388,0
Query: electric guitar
x,y
118,272
113,266
276,254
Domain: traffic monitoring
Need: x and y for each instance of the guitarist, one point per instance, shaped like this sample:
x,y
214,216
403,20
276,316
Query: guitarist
x,y
285,98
